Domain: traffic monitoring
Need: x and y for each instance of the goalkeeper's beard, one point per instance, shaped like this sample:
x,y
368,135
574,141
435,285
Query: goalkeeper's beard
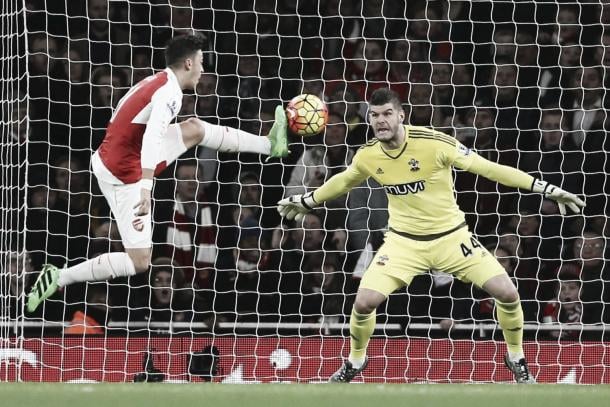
x,y
388,135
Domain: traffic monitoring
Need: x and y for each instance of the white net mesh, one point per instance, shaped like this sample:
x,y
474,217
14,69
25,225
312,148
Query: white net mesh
x,y
524,84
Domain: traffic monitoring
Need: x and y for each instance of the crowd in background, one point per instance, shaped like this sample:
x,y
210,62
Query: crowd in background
x,y
524,85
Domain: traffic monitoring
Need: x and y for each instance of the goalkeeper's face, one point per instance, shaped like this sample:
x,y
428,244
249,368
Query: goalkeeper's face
x,y
386,120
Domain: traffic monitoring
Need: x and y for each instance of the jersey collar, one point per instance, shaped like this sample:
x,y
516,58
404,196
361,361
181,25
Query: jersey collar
x,y
172,76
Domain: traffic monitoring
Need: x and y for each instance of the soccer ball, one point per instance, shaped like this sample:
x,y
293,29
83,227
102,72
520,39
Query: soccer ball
x,y
307,115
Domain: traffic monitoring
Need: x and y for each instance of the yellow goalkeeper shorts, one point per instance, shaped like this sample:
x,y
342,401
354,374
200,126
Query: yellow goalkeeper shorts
x,y
400,259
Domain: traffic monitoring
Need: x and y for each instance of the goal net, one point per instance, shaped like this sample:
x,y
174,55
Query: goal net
x,y
234,293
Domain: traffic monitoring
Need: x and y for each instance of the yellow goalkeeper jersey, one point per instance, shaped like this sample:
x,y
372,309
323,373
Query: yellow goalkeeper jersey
x,y
417,177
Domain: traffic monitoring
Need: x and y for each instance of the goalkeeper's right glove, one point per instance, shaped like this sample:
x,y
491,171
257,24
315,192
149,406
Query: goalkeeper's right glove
x,y
296,206
563,198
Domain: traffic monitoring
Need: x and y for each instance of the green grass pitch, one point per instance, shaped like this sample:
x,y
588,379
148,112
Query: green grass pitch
x,y
296,395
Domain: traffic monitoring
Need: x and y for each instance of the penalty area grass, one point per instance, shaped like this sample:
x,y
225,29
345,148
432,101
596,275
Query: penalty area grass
x,y
297,395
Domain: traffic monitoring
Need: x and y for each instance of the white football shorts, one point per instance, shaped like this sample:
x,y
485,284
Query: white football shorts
x,y
136,231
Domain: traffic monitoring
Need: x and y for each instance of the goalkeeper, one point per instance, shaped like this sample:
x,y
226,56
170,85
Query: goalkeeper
x,y
139,143
427,230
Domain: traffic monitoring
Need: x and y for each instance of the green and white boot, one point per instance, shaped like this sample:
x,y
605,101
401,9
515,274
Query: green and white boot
x,y
278,134
45,286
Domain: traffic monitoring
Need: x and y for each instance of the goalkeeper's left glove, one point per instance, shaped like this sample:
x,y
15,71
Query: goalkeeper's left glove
x,y
563,198
296,206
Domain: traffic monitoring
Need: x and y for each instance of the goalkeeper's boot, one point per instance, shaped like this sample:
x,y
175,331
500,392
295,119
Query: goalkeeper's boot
x,y
520,370
45,286
346,373
278,134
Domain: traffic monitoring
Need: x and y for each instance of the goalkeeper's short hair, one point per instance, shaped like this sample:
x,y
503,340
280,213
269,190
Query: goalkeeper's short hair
x,y
385,95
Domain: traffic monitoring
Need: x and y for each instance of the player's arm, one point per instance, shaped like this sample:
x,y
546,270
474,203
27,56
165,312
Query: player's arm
x,y
296,206
516,178
162,112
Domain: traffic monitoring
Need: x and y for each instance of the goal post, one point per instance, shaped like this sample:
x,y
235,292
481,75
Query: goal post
x,y
234,293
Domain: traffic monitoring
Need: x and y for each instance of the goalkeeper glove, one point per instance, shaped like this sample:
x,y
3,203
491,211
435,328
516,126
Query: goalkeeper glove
x,y
563,198
296,206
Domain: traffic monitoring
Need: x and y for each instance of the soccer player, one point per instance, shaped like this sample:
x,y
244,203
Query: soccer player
x,y
139,143
427,230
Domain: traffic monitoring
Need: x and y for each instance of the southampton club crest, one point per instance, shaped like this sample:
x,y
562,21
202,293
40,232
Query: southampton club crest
x,y
381,260
414,164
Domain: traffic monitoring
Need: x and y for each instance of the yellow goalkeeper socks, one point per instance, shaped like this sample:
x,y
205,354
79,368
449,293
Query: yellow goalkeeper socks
x,y
361,328
510,317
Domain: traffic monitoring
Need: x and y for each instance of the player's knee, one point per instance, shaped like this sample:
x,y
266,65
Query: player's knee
x,y
508,294
363,305
192,132
141,262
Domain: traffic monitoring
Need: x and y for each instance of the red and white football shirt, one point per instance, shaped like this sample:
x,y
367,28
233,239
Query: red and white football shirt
x,y
134,136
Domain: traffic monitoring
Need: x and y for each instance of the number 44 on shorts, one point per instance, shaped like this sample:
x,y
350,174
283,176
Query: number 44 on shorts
x,y
466,251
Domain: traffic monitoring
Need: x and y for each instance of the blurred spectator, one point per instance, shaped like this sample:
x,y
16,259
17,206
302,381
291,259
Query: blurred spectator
x,y
341,25
602,57
566,306
16,279
345,103
18,115
599,224
292,251
248,195
367,220
247,289
95,313
72,110
105,40
587,122
419,110
247,87
207,106
171,298
403,69
368,70
141,64
595,276
556,159
71,181
319,163
190,239
517,108
555,81
44,69
105,238
108,86
59,217
588,110
323,289
427,34
483,200
504,47
437,297
527,59
568,27
39,223
448,100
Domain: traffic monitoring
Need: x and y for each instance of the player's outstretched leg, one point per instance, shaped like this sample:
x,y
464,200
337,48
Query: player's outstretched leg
x,y
347,372
45,286
519,369
194,132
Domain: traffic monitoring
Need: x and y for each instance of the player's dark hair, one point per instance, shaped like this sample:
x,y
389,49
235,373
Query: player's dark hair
x,y
181,47
385,95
